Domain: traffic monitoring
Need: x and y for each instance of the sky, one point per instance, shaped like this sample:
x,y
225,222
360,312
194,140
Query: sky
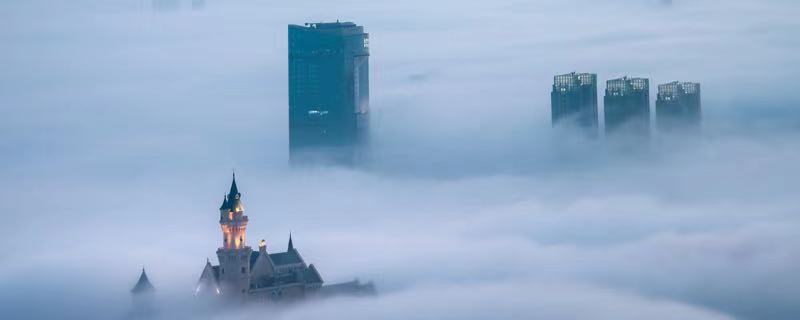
x,y
122,122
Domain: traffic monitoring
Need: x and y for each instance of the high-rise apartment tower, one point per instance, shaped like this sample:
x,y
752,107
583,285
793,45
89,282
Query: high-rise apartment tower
x,y
328,92
678,106
627,107
573,101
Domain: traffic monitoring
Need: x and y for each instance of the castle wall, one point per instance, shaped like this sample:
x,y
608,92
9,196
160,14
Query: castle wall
x,y
284,293
234,273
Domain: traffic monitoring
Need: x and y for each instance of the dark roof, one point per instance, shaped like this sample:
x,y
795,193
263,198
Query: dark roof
x,y
235,204
289,257
310,275
225,204
234,190
253,258
280,258
143,285
215,269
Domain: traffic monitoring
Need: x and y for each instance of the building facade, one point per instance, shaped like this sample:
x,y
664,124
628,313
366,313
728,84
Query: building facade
x,y
573,101
328,92
678,106
627,107
259,275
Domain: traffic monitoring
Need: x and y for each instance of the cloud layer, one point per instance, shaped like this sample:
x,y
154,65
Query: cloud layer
x,y
123,120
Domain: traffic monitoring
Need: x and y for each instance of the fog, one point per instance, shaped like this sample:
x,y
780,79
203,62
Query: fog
x,y
123,120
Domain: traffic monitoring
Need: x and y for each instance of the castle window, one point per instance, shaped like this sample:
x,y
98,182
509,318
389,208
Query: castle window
x,y
242,269
223,270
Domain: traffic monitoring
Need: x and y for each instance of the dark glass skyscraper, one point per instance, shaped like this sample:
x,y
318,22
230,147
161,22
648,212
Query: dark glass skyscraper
x,y
678,106
328,92
573,101
627,106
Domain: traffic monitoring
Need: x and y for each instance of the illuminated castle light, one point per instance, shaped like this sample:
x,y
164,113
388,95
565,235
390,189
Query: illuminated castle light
x,y
246,275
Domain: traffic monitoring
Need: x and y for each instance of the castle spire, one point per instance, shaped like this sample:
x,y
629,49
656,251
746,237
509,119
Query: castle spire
x,y
234,197
224,203
234,190
291,246
143,285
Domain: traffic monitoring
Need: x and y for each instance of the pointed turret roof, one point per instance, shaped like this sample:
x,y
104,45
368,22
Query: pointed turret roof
x,y
232,200
291,246
225,204
234,190
143,285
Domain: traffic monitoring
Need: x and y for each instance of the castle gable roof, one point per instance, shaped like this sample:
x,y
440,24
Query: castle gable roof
x,y
284,258
253,258
279,258
209,280
311,275
261,267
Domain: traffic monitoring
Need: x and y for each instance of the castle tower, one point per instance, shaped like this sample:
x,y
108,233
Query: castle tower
x,y
234,255
144,303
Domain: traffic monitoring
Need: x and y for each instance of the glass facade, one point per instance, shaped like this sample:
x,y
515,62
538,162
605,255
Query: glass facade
x,y
573,101
627,106
678,106
328,92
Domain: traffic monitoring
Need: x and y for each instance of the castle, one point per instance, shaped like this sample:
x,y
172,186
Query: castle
x,y
260,275
253,276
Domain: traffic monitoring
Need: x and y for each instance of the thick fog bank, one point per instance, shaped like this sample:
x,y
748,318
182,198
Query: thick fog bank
x,y
122,122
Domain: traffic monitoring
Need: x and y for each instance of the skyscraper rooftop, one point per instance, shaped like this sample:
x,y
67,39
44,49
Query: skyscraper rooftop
x,y
624,86
332,26
573,101
674,89
627,107
570,81
678,107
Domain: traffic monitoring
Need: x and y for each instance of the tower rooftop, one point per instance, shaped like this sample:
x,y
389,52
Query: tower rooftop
x,y
234,189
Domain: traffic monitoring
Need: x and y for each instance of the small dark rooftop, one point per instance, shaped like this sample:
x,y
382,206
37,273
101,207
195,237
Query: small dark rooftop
x,y
143,285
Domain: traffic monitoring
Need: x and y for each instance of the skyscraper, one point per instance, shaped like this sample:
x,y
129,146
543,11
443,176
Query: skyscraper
x,y
328,92
627,106
678,106
573,101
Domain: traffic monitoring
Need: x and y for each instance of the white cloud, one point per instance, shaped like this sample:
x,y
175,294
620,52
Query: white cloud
x,y
120,125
